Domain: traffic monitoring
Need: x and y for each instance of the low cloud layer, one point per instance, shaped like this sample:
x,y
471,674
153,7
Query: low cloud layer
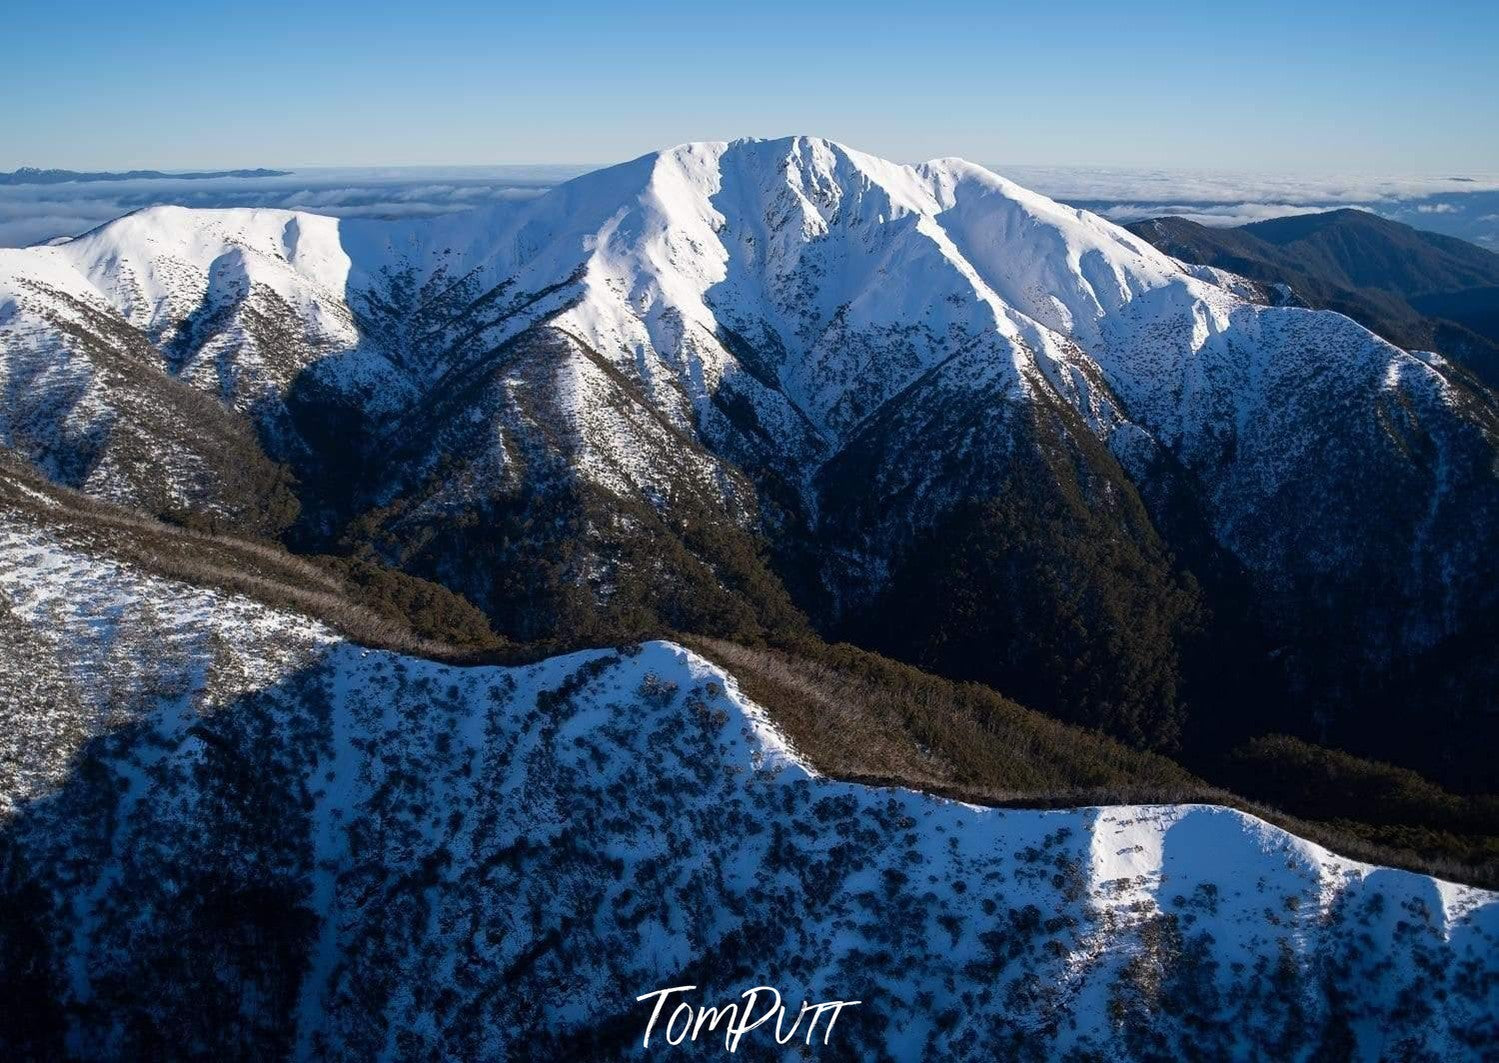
x,y
1220,214
1219,187
35,213
1466,206
1460,205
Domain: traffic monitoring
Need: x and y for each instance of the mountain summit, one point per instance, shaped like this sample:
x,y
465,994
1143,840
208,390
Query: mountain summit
x,y
853,358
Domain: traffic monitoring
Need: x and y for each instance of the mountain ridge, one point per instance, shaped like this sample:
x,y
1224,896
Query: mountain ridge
x,y
747,394
32,175
1418,289
850,349
330,829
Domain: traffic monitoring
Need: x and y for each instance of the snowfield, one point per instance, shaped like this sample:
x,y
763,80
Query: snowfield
x,y
491,862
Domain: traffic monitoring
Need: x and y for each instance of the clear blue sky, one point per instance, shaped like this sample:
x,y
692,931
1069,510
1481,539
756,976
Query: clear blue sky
x,y
1377,86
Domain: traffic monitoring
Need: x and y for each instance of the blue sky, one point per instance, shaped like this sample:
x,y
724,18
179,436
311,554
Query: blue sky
x,y
1373,87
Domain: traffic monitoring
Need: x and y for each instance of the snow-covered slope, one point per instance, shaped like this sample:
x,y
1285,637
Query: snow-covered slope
x,y
771,304
871,292
273,838
554,398
206,288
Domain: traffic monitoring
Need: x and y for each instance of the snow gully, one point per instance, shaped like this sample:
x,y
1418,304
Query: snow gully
x,y
686,1021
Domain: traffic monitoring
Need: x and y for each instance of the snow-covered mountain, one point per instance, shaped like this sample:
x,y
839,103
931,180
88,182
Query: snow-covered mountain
x,y
775,302
787,337
226,828
233,831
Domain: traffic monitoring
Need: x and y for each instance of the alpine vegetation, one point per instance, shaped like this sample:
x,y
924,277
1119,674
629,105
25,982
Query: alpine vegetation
x,y
271,841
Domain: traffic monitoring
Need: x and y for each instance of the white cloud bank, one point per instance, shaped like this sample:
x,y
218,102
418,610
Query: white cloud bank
x,y
1461,205
1204,186
34,213
1458,205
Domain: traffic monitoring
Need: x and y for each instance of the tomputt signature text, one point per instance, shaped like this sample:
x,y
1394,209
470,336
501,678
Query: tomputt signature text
x,y
686,1022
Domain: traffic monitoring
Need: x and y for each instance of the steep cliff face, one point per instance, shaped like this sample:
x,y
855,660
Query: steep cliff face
x,y
233,831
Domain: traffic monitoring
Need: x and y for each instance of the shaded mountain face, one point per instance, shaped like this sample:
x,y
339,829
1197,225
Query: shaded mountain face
x,y
662,391
1419,290
225,830
1362,250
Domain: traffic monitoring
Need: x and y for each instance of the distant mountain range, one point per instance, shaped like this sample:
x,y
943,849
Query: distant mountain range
x,y
30,175
1420,290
